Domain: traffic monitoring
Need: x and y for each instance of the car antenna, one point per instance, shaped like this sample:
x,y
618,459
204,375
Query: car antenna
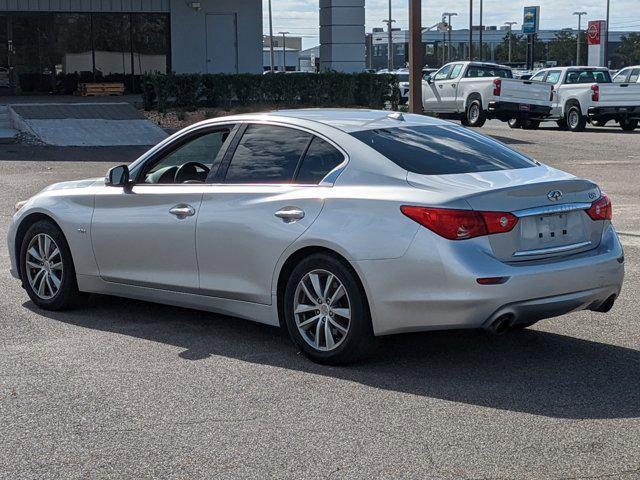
x,y
396,116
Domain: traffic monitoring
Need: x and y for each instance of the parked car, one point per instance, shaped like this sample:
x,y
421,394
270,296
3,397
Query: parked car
x,y
404,85
627,75
587,94
476,91
339,225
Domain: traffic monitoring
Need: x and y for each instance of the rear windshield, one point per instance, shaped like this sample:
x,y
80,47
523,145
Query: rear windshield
x,y
475,71
442,150
587,76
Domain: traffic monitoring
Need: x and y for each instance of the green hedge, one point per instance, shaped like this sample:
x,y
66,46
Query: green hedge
x,y
189,91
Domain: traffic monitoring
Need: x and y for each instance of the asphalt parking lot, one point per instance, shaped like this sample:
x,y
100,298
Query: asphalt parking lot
x,y
132,389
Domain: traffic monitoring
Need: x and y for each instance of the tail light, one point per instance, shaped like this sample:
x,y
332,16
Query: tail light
x,y
595,93
461,224
497,87
601,209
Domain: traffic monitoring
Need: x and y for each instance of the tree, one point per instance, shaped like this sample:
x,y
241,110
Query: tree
x,y
628,52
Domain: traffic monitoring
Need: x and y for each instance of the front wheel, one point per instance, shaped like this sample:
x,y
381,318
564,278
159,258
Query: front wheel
x,y
575,120
628,125
476,116
47,268
326,312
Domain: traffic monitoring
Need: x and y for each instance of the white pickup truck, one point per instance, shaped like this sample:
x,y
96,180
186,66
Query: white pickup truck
x,y
587,94
476,91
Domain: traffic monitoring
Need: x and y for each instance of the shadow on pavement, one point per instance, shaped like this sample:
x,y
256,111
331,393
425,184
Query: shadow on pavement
x,y
532,371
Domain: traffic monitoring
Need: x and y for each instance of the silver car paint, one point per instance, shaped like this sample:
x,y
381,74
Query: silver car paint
x,y
413,278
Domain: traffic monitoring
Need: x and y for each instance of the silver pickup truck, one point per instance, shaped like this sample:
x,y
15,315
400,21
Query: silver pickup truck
x,y
476,91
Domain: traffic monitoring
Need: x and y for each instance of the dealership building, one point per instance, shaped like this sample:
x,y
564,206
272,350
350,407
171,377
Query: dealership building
x,y
47,45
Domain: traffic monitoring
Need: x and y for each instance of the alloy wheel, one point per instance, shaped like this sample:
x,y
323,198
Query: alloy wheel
x,y
474,113
574,118
322,310
43,265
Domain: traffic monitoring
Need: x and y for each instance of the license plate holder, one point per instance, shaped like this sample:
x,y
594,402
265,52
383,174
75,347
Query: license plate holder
x,y
524,107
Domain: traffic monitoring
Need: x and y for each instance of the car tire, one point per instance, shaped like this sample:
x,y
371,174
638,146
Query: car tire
x,y
628,125
514,123
476,116
576,122
463,120
334,328
47,271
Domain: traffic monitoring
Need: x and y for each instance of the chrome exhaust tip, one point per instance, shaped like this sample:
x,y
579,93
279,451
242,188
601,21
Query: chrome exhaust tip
x,y
501,325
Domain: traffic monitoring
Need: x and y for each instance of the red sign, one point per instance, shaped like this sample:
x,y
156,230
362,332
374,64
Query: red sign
x,y
593,32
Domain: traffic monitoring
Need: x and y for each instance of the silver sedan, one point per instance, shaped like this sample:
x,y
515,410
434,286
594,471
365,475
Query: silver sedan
x,y
340,225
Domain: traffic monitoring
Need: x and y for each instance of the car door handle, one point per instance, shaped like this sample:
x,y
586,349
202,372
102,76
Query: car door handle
x,y
183,210
290,214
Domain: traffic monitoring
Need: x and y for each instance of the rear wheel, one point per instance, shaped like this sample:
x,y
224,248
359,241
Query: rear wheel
x,y
628,125
514,123
575,120
476,117
47,268
326,312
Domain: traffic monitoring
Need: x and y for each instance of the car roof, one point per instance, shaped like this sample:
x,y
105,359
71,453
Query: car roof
x,y
345,119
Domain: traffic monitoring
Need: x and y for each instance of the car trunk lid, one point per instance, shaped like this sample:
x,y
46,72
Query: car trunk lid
x,y
550,205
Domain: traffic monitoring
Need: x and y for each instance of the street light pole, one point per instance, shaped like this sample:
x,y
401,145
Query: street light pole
x,y
389,22
606,38
272,62
416,56
579,15
449,15
470,30
284,51
480,33
510,25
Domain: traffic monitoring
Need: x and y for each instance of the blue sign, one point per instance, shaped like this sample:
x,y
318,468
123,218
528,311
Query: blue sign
x,y
531,22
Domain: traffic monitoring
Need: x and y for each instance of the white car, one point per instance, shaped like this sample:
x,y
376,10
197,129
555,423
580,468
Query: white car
x,y
475,91
628,75
587,94
339,225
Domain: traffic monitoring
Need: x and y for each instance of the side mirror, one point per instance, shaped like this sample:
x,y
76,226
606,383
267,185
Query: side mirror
x,y
427,78
117,176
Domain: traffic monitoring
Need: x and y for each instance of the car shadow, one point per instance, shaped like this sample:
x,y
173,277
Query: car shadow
x,y
532,371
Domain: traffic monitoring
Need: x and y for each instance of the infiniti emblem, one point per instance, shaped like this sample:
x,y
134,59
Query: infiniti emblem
x,y
554,195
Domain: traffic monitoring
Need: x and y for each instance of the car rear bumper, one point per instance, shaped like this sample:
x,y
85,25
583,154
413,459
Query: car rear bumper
x,y
515,109
618,111
434,285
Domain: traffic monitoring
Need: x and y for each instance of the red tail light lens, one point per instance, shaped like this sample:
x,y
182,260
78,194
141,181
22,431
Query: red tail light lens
x,y
497,87
460,224
595,93
601,209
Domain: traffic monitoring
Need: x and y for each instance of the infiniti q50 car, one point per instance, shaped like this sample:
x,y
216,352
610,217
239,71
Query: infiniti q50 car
x,y
340,225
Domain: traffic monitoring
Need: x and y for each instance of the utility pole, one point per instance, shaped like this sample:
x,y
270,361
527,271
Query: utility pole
x,y
579,15
449,15
284,51
272,62
481,28
470,30
606,38
416,56
389,22
510,25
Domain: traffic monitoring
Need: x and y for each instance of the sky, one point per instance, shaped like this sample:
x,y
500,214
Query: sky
x,y
300,17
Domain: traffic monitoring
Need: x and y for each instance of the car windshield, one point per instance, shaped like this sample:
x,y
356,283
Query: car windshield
x,y
442,150
588,76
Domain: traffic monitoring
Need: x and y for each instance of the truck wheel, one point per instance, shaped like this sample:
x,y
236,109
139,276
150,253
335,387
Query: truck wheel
x,y
575,120
476,117
463,120
514,123
628,125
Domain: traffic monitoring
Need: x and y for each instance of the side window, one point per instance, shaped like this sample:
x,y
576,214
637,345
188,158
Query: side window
x,y
267,154
538,76
320,159
635,75
455,71
443,73
622,76
191,162
553,77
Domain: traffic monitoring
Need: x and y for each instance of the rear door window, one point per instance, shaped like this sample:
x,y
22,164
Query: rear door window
x,y
267,154
442,150
635,75
320,159
622,76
